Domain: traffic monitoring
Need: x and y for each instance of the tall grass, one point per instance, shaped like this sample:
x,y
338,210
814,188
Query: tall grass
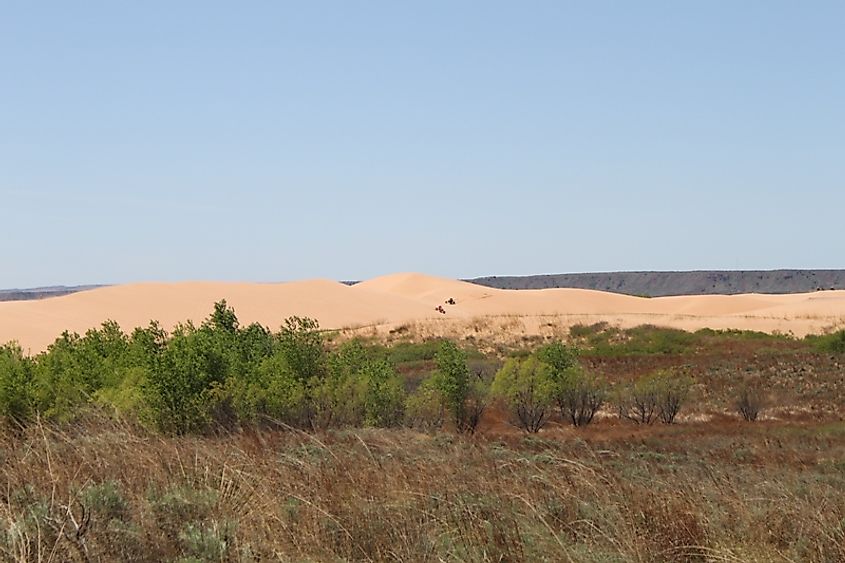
x,y
105,491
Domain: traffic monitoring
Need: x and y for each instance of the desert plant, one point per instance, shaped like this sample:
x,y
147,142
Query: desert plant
x,y
462,395
425,408
656,396
559,357
183,373
749,403
673,388
16,392
527,388
579,397
383,394
638,402
302,344
832,343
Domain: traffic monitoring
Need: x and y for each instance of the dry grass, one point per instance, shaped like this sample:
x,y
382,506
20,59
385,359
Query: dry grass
x,y
103,491
708,489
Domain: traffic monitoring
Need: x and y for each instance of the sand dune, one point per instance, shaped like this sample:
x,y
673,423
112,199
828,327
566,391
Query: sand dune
x,y
392,300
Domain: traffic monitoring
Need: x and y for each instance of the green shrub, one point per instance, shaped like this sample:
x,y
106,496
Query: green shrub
x,y
106,501
464,396
579,396
833,343
177,389
657,396
646,339
126,397
302,345
383,394
17,398
206,541
527,387
425,408
408,352
278,393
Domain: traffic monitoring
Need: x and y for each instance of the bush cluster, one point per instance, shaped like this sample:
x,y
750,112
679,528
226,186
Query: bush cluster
x,y
533,386
221,375
224,376
218,374
657,396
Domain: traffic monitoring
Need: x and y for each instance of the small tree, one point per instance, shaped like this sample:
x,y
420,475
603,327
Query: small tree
x,y
638,402
673,388
579,397
177,389
463,397
527,387
279,394
560,359
301,342
657,396
382,394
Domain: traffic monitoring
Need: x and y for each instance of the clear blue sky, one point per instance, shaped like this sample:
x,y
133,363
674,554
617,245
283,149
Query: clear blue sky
x,y
285,140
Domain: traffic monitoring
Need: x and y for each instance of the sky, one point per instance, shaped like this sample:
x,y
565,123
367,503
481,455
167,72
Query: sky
x,y
273,140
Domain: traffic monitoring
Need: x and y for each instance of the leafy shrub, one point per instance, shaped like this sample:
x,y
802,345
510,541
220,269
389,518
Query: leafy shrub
x,y
278,393
383,394
206,541
407,352
527,388
126,397
659,395
646,339
582,331
425,408
106,501
302,345
16,392
463,396
579,397
833,343
177,388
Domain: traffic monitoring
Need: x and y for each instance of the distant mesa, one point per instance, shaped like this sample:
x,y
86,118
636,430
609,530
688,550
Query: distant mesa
x,y
42,292
639,284
663,284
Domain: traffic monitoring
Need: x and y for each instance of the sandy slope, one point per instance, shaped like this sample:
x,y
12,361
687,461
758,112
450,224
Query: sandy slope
x,y
397,299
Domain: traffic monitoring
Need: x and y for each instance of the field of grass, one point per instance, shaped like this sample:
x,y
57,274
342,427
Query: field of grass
x,y
708,488
726,491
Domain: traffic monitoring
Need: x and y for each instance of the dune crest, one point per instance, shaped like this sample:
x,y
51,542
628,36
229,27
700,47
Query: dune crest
x,y
388,301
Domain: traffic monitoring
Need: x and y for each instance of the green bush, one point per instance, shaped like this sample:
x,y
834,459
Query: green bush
x,y
579,396
464,396
527,387
177,389
383,394
425,408
833,343
657,396
605,340
17,400
106,501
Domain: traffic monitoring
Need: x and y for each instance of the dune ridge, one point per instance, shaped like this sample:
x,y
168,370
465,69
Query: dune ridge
x,y
389,301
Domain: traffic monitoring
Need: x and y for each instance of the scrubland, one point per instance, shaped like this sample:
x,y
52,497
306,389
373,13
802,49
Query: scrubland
x,y
222,442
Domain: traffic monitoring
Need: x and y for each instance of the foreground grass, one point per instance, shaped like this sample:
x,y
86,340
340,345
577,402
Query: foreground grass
x,y
103,491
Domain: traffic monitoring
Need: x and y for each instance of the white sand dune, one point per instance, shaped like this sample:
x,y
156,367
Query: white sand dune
x,y
406,298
